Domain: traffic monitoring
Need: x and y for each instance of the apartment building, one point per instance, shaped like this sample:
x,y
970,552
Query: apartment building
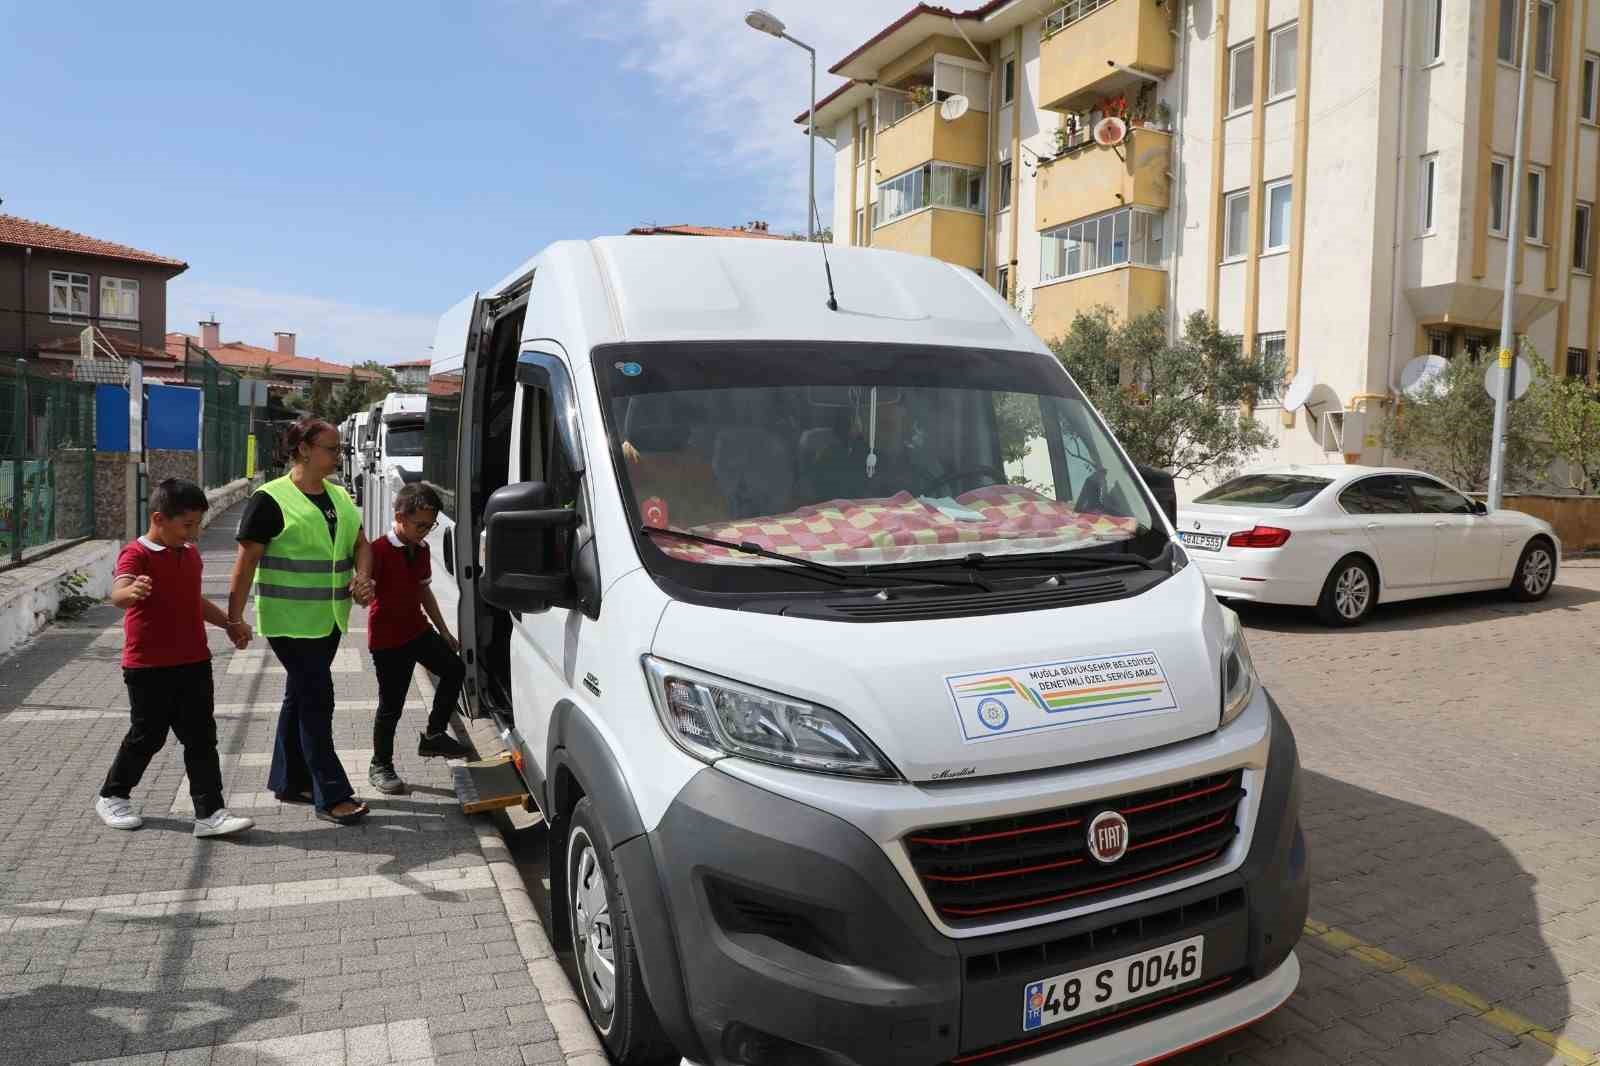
x,y
1329,179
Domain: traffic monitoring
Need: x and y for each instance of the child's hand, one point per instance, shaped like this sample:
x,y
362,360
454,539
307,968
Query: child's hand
x,y
361,589
450,639
240,633
140,588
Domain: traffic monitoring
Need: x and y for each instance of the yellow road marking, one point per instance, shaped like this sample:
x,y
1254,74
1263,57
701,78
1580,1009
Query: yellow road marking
x,y
1506,1021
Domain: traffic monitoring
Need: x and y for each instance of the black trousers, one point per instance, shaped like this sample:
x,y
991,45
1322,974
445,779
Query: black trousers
x,y
304,756
180,699
394,666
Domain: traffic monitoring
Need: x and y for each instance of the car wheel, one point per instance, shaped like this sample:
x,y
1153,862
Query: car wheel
x,y
1536,571
604,950
1349,594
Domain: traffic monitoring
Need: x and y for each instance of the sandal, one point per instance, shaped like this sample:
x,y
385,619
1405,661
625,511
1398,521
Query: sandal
x,y
294,797
361,811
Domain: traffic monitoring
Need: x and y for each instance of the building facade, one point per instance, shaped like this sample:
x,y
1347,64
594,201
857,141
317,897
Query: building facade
x,y
1329,179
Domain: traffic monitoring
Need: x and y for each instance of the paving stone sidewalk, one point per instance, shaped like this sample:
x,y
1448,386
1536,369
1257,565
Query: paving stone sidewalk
x,y
298,942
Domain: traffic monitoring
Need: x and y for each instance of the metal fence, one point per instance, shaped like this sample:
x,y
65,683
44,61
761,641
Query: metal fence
x,y
46,460
226,428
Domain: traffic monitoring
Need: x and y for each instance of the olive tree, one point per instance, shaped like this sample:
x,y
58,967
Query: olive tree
x,y
1448,427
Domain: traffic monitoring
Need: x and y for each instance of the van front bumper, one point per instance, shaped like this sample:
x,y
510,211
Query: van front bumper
x,y
773,932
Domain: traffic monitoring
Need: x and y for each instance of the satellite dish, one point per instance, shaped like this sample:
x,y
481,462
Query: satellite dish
x,y
1299,390
1110,131
954,107
1522,377
1417,375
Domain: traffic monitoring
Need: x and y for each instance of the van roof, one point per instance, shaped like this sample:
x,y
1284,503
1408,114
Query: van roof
x,y
693,288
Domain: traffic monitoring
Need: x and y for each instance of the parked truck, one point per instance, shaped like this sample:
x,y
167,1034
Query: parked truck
x,y
393,456
873,706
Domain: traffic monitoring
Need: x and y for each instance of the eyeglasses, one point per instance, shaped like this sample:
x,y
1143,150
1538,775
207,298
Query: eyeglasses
x,y
334,448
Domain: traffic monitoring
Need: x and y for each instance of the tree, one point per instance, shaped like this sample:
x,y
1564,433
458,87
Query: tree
x,y
1570,410
1447,428
1174,404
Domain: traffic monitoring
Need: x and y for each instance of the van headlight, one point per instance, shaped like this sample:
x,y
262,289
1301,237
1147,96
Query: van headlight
x,y
709,717
1239,680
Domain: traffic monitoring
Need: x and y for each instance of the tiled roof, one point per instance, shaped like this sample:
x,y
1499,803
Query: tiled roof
x,y
27,233
410,363
707,231
126,349
241,356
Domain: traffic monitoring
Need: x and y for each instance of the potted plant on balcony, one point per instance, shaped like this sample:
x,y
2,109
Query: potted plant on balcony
x,y
1164,115
921,96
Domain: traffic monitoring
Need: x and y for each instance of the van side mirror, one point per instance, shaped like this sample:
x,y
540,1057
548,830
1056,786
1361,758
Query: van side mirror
x,y
1164,489
525,566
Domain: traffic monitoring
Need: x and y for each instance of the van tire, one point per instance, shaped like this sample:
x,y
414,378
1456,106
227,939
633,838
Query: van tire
x,y
1349,594
1535,574
597,906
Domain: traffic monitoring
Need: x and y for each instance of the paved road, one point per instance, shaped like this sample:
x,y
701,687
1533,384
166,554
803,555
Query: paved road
x,y
1451,752
297,943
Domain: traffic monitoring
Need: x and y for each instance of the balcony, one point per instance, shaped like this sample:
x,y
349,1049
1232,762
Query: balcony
x,y
1092,48
925,135
945,233
1090,179
1127,290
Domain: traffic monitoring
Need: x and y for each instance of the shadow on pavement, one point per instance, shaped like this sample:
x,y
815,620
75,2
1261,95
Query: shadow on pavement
x,y
1430,888
1410,615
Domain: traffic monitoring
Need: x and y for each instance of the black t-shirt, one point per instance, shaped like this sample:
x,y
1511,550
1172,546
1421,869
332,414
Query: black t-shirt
x,y
263,518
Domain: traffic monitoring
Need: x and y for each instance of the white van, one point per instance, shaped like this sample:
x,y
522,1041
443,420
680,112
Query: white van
x,y
394,456
876,713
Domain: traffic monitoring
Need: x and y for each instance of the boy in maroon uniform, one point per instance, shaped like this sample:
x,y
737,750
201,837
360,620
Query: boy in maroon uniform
x,y
400,637
166,663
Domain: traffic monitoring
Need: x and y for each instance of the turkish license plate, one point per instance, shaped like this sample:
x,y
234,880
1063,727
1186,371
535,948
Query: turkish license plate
x,y
1211,542
1094,988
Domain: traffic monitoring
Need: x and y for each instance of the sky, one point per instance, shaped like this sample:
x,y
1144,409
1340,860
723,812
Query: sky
x,y
347,171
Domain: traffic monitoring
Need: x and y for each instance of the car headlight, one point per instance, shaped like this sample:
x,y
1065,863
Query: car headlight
x,y
1239,679
709,717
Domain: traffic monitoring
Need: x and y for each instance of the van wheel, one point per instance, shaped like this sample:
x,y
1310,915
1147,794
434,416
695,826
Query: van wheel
x,y
1535,572
602,943
1349,594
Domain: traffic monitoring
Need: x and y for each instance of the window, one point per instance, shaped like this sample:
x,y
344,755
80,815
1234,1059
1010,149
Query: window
x,y
1439,343
1434,497
1510,19
69,297
1581,214
1578,363
1002,282
1008,84
861,141
119,304
1435,37
1271,349
953,77
1005,185
1497,196
1235,225
1384,494
860,238
1285,43
1277,492
1116,238
1534,223
1590,106
1275,227
1241,75
1544,37
1429,177
930,185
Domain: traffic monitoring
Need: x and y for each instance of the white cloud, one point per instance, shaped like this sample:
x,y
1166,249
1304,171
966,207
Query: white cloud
x,y
742,89
327,329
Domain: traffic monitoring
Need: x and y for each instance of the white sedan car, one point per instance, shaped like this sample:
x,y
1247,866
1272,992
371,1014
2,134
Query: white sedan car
x,y
1343,539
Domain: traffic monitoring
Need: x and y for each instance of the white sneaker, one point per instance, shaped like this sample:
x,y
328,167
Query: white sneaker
x,y
117,813
221,824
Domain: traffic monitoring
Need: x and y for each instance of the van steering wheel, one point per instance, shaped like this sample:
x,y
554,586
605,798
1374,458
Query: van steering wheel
x,y
947,479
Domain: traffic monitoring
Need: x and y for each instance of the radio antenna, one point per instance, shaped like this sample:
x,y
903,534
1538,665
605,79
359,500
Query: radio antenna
x,y
833,301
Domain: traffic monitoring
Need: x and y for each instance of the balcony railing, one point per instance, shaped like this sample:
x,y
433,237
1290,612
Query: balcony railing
x,y
1070,12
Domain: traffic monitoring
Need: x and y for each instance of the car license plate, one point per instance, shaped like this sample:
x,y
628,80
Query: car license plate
x,y
1094,988
1211,542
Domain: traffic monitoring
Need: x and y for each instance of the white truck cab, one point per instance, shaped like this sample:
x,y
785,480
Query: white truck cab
x,y
395,432
873,706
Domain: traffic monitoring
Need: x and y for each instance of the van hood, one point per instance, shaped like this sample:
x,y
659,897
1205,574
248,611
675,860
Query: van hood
x,y
957,698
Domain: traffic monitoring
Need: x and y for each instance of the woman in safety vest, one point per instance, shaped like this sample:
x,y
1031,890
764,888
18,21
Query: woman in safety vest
x,y
301,542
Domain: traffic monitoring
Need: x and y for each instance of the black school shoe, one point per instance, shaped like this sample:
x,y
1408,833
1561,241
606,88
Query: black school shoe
x,y
385,780
442,746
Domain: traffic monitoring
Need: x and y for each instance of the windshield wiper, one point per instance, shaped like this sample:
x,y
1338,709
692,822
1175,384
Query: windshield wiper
x,y
1060,560
822,571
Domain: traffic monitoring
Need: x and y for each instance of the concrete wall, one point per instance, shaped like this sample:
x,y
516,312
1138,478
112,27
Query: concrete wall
x,y
31,594
1093,179
161,464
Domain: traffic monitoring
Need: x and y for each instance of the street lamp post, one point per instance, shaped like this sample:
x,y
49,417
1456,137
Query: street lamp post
x,y
767,22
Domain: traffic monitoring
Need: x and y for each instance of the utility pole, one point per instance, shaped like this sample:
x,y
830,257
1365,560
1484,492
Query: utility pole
x,y
1508,299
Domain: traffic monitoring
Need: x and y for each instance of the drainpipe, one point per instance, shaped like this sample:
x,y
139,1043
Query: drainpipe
x,y
1399,221
1177,200
1016,154
27,259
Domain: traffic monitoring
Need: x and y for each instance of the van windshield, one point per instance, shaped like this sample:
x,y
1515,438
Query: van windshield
x,y
404,439
857,454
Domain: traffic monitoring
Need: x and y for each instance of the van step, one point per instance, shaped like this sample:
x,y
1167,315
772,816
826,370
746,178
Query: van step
x,y
490,784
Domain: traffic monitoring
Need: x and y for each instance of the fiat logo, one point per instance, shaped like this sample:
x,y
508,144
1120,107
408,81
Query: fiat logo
x,y
1108,837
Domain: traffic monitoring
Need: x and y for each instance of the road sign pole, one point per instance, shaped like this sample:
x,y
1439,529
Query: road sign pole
x,y
1508,299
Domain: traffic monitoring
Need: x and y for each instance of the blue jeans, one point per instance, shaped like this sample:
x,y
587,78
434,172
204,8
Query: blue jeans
x,y
304,755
